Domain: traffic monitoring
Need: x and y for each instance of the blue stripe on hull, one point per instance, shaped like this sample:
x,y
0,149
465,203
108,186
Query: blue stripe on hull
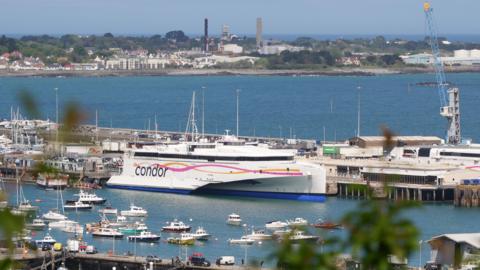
x,y
256,194
154,189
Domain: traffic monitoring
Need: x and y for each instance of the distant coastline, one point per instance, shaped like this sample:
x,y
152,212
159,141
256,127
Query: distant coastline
x,y
241,72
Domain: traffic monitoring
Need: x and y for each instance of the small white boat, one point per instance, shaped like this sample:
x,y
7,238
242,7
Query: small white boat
x,y
277,224
46,240
298,236
61,224
25,206
176,226
108,211
244,240
259,235
53,215
144,236
297,222
89,198
134,211
121,221
77,205
36,224
234,219
107,232
73,228
201,234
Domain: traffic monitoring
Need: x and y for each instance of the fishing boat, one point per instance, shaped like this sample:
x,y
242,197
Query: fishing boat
x,y
53,215
272,225
77,205
47,239
201,234
52,182
234,219
183,239
36,224
90,198
297,222
107,232
134,211
259,235
299,236
244,240
144,236
176,226
108,211
281,233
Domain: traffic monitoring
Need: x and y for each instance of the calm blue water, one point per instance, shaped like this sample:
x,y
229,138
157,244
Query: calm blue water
x,y
269,105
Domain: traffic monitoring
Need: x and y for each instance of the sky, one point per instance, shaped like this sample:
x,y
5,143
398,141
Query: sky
x,y
319,17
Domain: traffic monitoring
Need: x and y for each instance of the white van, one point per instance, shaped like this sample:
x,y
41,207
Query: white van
x,y
226,260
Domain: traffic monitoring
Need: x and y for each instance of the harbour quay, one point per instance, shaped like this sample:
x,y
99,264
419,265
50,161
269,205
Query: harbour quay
x,y
420,168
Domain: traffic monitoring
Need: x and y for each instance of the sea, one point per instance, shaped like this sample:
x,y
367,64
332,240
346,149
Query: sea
x,y
310,107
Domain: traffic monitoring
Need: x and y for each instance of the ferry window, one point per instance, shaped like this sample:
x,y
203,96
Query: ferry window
x,y
424,152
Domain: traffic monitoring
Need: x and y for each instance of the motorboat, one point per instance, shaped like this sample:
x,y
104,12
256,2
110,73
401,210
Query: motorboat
x,y
244,240
107,232
272,225
297,222
90,198
134,211
234,219
201,234
144,236
108,211
36,224
259,235
121,221
73,228
47,239
298,236
77,205
328,225
53,215
133,228
183,239
176,226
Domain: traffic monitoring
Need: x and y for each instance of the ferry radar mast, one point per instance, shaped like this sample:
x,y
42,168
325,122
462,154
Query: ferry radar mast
x,y
449,96
191,123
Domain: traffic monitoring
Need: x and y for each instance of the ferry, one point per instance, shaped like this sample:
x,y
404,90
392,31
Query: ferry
x,y
229,166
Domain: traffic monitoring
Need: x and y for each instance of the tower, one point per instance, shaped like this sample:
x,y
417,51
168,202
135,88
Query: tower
x,y
259,32
205,25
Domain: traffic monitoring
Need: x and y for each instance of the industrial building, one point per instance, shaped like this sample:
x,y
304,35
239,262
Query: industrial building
x,y
379,141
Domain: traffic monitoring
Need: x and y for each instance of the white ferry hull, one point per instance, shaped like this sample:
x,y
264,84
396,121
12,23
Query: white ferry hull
x,y
269,179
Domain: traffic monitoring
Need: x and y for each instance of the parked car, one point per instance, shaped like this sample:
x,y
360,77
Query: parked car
x,y
226,260
91,250
197,259
153,258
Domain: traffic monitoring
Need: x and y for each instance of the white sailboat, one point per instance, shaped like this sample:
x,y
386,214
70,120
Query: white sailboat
x,y
55,214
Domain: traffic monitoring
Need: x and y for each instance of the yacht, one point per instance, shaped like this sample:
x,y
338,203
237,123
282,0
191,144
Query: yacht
x,y
244,240
107,232
36,224
183,239
61,224
176,226
47,239
108,211
144,236
273,225
133,228
201,234
77,205
134,211
234,219
229,166
53,215
281,233
90,198
299,236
